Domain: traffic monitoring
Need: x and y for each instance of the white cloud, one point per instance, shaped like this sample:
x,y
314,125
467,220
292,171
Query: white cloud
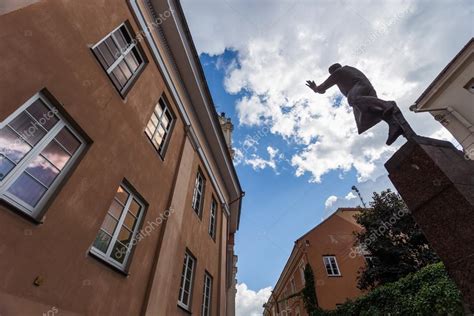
x,y
258,162
330,201
280,44
249,302
350,196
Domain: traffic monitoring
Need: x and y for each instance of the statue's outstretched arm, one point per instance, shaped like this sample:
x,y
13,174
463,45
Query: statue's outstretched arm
x,y
328,83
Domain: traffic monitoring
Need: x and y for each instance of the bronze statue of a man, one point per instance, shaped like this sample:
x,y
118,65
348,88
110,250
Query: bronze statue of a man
x,y
361,96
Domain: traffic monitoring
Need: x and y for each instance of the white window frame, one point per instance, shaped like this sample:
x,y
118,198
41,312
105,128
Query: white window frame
x,y
161,147
35,211
207,299
188,259
107,256
213,219
331,260
198,208
123,91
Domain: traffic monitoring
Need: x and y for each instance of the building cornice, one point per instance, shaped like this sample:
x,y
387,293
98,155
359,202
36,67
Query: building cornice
x,y
442,76
142,22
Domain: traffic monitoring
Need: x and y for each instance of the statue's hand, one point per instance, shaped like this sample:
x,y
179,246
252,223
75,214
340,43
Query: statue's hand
x,y
312,85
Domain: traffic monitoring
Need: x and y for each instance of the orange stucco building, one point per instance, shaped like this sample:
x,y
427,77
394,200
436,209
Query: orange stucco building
x,y
118,195
329,249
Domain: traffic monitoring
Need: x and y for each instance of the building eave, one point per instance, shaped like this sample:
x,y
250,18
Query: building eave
x,y
342,209
419,103
215,135
195,102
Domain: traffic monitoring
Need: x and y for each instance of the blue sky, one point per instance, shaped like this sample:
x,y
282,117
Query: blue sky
x,y
298,153
278,207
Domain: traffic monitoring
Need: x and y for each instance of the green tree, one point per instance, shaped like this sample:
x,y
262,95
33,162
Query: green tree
x,y
393,239
427,292
309,291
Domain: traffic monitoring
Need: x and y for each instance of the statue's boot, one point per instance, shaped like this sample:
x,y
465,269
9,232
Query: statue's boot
x,y
394,130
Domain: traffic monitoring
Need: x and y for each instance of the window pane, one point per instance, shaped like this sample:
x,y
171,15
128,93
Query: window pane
x,y
132,61
122,195
161,130
119,252
102,241
165,120
120,77
154,119
150,129
115,209
115,81
125,236
185,298
28,128
12,146
157,139
27,189
189,271
42,170
130,221
123,66
109,224
5,166
56,155
137,55
159,109
114,50
134,208
120,39
68,140
43,114
105,56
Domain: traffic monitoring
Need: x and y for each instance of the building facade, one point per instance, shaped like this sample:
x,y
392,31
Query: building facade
x,y
118,195
450,98
329,250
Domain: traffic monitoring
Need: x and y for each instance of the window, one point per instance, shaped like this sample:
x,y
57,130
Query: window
x,y
37,149
198,193
331,266
302,266
159,126
206,295
293,286
185,289
116,237
470,86
212,219
120,57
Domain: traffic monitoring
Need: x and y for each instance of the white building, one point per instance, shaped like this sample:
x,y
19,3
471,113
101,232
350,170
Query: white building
x,y
450,98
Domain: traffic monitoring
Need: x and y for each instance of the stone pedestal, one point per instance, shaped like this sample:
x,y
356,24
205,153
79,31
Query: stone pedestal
x,y
436,181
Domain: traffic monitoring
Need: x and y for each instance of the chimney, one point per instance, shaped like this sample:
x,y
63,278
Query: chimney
x,y
227,128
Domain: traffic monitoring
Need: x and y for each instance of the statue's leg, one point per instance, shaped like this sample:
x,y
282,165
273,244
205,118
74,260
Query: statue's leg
x,y
365,99
376,105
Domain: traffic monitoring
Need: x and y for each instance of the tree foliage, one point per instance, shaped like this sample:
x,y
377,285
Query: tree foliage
x,y
309,291
427,292
393,239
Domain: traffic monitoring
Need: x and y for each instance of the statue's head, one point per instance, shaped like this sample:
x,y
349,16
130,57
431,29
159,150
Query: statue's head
x,y
334,67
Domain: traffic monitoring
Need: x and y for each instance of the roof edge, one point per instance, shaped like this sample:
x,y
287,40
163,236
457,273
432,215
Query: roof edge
x,y
443,71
